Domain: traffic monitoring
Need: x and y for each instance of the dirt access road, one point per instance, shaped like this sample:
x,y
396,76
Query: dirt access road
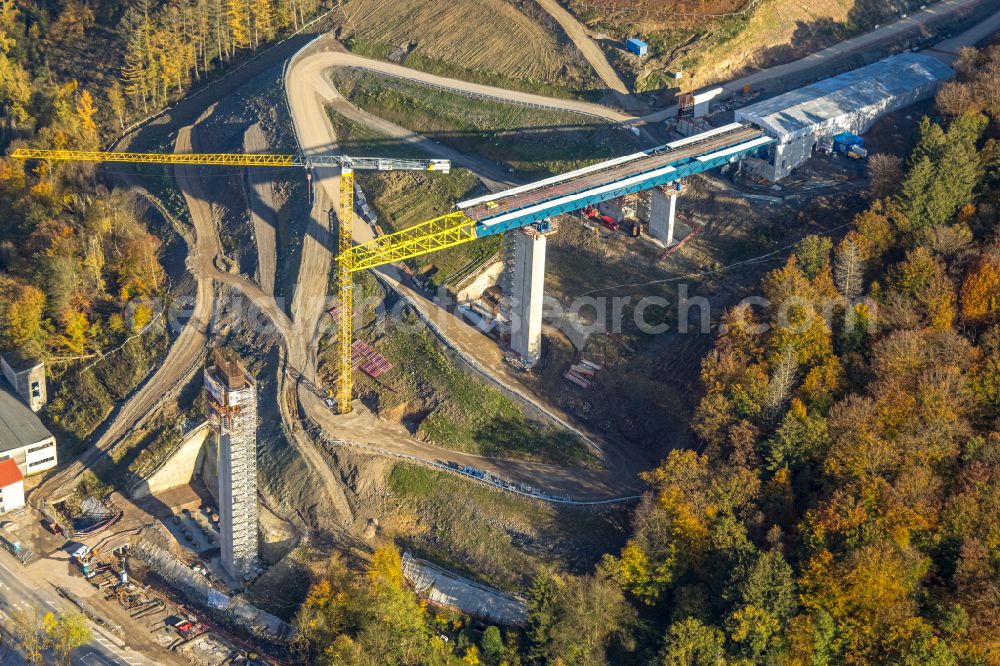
x,y
309,92
263,211
308,89
307,302
310,80
577,32
181,363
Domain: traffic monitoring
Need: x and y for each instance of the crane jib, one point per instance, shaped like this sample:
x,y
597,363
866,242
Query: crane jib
x,y
236,159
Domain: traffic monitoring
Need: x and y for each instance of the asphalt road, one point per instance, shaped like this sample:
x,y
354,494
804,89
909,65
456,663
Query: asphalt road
x,y
915,22
817,65
19,594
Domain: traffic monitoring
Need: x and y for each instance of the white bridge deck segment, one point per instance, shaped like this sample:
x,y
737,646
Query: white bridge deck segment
x,y
577,189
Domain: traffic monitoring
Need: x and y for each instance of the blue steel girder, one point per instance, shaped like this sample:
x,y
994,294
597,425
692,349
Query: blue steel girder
x,y
683,170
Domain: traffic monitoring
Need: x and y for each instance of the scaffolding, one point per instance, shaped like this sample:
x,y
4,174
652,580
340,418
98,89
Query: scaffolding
x,y
232,405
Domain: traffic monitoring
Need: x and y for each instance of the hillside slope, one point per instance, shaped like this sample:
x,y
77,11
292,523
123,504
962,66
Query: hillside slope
x,y
711,46
511,44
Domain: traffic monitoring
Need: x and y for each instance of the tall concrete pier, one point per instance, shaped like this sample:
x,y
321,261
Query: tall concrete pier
x,y
662,213
527,295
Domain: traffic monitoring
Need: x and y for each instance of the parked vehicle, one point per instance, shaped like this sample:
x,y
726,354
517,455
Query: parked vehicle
x,y
604,220
847,141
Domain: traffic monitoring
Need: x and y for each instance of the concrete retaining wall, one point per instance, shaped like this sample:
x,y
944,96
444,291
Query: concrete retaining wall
x,y
446,588
484,279
180,468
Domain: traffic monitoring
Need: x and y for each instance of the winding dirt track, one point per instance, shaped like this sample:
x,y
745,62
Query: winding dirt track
x,y
263,210
296,336
181,363
308,91
309,94
315,64
577,32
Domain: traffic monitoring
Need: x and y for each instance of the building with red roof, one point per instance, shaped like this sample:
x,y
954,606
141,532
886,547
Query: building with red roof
x,y
11,486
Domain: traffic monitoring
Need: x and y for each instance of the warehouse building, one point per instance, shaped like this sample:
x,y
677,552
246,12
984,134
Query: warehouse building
x,y
851,102
23,438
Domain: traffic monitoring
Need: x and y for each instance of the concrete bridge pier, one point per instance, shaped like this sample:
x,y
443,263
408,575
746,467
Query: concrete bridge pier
x,y
527,294
663,212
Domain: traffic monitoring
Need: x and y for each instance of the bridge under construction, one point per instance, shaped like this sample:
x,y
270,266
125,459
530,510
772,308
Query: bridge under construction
x,y
526,209
529,208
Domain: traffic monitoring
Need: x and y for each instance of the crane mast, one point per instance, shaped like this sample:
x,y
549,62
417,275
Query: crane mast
x,y
399,245
345,291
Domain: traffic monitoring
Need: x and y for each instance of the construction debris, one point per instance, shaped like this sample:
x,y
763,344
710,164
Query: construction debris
x,y
582,373
676,246
368,360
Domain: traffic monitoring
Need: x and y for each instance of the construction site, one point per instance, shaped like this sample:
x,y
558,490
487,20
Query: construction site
x,y
413,328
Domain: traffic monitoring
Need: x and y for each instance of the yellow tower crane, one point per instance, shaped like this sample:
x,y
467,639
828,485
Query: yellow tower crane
x,y
427,237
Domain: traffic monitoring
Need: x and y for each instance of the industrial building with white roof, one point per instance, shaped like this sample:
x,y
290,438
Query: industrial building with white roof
x,y
23,437
850,102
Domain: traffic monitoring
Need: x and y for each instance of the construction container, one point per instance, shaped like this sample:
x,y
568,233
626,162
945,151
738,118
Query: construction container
x,y
843,142
636,46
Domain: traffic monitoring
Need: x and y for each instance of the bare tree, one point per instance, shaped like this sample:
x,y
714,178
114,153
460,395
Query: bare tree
x,y
848,269
885,173
782,380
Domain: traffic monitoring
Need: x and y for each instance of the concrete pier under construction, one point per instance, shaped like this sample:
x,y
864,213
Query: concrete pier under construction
x,y
232,401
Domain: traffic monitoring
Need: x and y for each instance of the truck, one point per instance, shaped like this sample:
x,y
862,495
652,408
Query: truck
x,y
846,141
188,628
81,556
857,152
605,220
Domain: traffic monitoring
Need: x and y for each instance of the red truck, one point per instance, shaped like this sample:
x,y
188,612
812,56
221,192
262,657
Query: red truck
x,y
606,220
188,629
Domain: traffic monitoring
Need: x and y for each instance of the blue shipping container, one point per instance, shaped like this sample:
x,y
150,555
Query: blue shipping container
x,y
844,141
637,46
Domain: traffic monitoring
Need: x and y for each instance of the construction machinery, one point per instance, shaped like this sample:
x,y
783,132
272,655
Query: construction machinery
x,y
531,205
345,212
